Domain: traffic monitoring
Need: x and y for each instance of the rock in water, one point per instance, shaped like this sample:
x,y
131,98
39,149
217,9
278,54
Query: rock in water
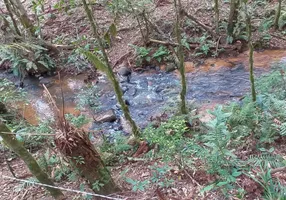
x,y
105,116
124,71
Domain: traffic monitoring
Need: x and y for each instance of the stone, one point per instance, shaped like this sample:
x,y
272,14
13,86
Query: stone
x,y
48,82
158,89
170,67
125,125
105,116
124,71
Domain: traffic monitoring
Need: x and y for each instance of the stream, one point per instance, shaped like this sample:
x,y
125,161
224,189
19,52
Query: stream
x,y
149,94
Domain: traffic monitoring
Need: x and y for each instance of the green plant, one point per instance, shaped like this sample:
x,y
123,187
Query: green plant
x,y
88,98
273,189
161,53
115,147
218,157
97,185
169,136
78,121
142,54
282,19
159,176
26,57
79,160
205,45
137,185
54,165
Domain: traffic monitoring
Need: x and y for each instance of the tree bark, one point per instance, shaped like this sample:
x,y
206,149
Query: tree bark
x,y
232,18
76,146
250,45
277,16
110,74
22,15
180,53
16,146
216,9
9,9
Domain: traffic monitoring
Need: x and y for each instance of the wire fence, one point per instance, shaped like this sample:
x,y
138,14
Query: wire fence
x,y
63,189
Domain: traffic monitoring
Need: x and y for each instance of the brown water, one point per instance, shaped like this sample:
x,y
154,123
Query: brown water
x,y
214,81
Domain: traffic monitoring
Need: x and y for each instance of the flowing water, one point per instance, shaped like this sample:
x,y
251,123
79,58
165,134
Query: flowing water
x,y
149,94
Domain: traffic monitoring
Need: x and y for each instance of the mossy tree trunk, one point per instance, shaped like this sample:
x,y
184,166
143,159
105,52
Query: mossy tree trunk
x,y
10,140
22,15
9,9
250,46
232,18
277,16
216,9
110,74
180,54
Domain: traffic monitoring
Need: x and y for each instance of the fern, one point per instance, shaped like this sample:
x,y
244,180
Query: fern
x,y
25,57
266,160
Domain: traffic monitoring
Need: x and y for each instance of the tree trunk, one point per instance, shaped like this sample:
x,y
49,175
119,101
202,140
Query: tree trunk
x,y
181,57
232,18
277,16
22,15
110,74
76,146
251,75
216,9
16,146
9,9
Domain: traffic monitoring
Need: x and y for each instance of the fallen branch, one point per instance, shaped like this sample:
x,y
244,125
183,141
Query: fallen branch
x,y
277,36
199,23
193,46
156,28
120,59
279,169
163,42
217,45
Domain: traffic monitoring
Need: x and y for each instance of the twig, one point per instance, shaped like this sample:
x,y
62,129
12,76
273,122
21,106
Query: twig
x,y
163,42
64,189
29,134
25,193
279,169
120,59
191,45
156,28
277,36
194,181
8,164
199,23
217,44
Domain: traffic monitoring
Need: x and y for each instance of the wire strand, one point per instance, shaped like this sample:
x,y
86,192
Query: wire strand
x,y
61,188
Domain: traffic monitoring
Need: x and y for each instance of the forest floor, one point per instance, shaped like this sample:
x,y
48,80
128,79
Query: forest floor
x,y
66,28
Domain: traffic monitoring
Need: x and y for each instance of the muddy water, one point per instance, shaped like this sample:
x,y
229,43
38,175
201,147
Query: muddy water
x,y
216,80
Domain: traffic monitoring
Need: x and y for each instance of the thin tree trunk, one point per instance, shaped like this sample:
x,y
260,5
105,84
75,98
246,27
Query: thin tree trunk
x,y
115,84
277,16
23,16
216,8
8,7
181,57
232,18
11,141
250,45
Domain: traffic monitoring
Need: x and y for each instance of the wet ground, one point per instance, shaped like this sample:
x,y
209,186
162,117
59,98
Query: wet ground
x,y
149,94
